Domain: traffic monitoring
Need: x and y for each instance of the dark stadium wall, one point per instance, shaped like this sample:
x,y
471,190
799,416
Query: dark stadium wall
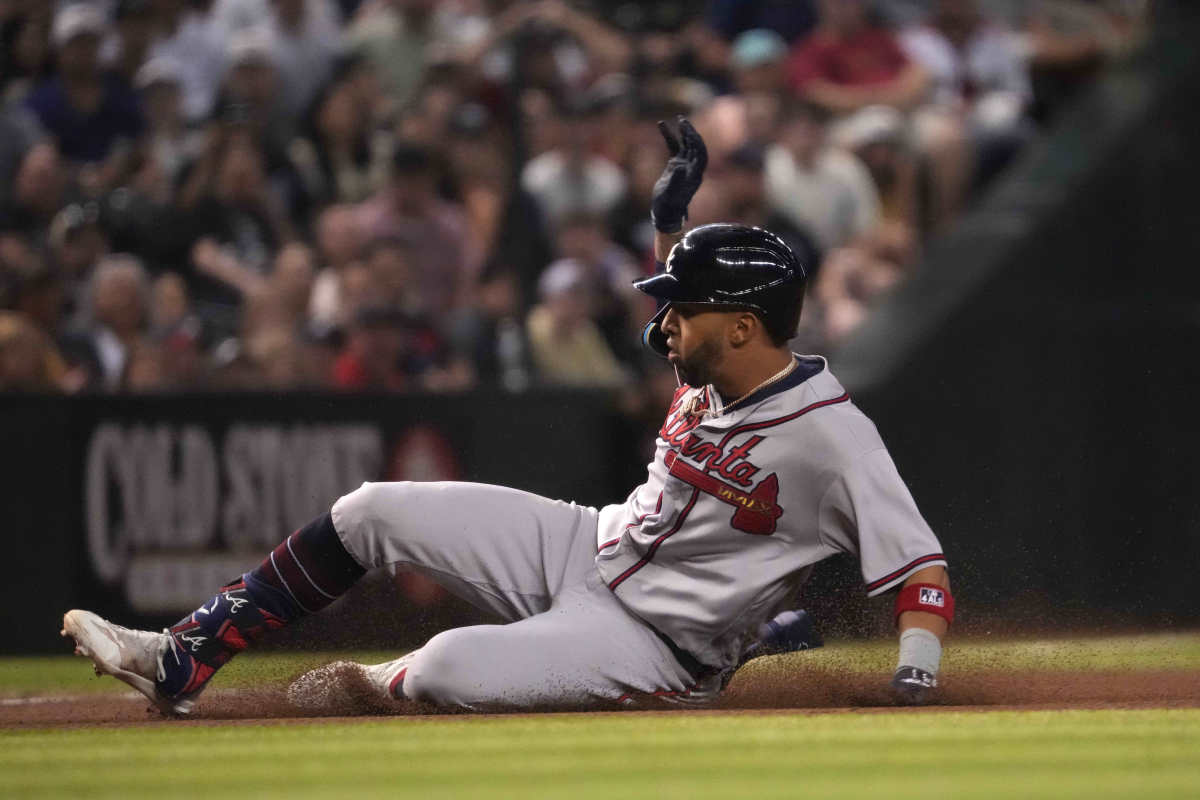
x,y
1042,404
136,507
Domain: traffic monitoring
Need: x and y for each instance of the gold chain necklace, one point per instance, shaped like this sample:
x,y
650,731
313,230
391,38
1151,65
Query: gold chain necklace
x,y
694,409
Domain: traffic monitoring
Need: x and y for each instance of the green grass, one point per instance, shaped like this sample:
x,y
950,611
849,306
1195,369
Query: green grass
x,y
26,675
896,754
59,674
1087,754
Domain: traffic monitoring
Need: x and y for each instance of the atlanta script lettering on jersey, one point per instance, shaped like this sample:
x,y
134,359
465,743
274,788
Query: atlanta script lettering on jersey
x,y
757,511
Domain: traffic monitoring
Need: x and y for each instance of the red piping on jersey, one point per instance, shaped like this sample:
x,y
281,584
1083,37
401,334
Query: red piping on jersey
x,y
634,524
644,560
891,576
768,423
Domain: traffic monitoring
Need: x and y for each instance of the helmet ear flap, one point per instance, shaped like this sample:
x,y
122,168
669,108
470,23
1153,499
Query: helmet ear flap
x,y
653,336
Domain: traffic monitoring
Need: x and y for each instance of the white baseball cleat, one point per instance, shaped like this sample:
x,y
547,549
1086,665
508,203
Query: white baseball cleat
x,y
345,687
134,657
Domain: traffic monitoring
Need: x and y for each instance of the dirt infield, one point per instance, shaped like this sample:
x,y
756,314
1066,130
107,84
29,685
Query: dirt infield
x,y
789,690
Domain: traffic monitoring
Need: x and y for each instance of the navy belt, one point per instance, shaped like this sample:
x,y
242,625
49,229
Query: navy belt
x,y
694,667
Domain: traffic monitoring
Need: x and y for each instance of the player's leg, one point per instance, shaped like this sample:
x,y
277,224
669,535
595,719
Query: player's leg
x,y
504,550
305,573
586,650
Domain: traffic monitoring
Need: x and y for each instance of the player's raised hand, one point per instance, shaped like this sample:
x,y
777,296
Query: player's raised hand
x,y
680,178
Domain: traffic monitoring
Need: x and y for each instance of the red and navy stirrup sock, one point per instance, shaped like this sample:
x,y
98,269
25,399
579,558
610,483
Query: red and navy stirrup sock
x,y
305,573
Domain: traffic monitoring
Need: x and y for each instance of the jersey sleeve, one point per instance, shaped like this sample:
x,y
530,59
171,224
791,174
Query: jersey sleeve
x,y
868,511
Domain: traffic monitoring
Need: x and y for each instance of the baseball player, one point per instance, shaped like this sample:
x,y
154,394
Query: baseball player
x,y
763,467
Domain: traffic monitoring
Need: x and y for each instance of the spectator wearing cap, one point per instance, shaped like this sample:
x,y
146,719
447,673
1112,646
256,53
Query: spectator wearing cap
x,y
170,143
251,83
390,350
568,348
878,136
193,39
819,188
757,58
609,270
90,112
409,209
250,103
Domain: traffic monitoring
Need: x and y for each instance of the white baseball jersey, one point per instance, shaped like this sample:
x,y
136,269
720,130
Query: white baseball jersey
x,y
738,506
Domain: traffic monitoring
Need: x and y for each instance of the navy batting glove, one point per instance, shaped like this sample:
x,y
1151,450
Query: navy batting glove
x,y
913,686
680,179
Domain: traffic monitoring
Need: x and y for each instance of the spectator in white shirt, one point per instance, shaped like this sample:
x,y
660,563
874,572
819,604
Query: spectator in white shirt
x,y
195,42
821,189
978,76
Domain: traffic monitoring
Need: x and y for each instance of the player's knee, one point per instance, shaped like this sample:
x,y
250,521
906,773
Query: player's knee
x,y
442,672
366,514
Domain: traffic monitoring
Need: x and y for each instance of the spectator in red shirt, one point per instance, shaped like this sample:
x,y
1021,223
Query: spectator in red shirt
x,y
848,64
374,353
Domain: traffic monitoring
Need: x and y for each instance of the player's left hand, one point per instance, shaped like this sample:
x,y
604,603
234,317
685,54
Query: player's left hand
x,y
913,686
680,179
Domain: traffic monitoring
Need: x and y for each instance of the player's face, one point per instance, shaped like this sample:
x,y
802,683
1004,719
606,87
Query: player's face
x,y
696,340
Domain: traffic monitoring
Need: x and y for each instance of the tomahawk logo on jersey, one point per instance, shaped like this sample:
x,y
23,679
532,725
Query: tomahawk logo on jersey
x,y
739,505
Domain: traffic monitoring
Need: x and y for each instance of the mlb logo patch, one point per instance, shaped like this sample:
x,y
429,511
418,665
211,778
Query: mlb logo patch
x,y
932,597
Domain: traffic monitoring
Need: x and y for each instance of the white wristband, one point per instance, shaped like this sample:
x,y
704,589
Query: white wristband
x,y
921,649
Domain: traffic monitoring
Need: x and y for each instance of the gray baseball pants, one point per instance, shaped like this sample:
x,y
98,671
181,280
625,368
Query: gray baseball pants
x,y
567,641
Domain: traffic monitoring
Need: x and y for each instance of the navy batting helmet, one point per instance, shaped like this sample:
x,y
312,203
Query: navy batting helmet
x,y
729,265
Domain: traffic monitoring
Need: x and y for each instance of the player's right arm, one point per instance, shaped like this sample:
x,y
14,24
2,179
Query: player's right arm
x,y
921,632
868,511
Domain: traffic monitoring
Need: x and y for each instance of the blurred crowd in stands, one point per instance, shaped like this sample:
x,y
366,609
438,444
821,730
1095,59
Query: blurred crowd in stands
x,y
434,195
